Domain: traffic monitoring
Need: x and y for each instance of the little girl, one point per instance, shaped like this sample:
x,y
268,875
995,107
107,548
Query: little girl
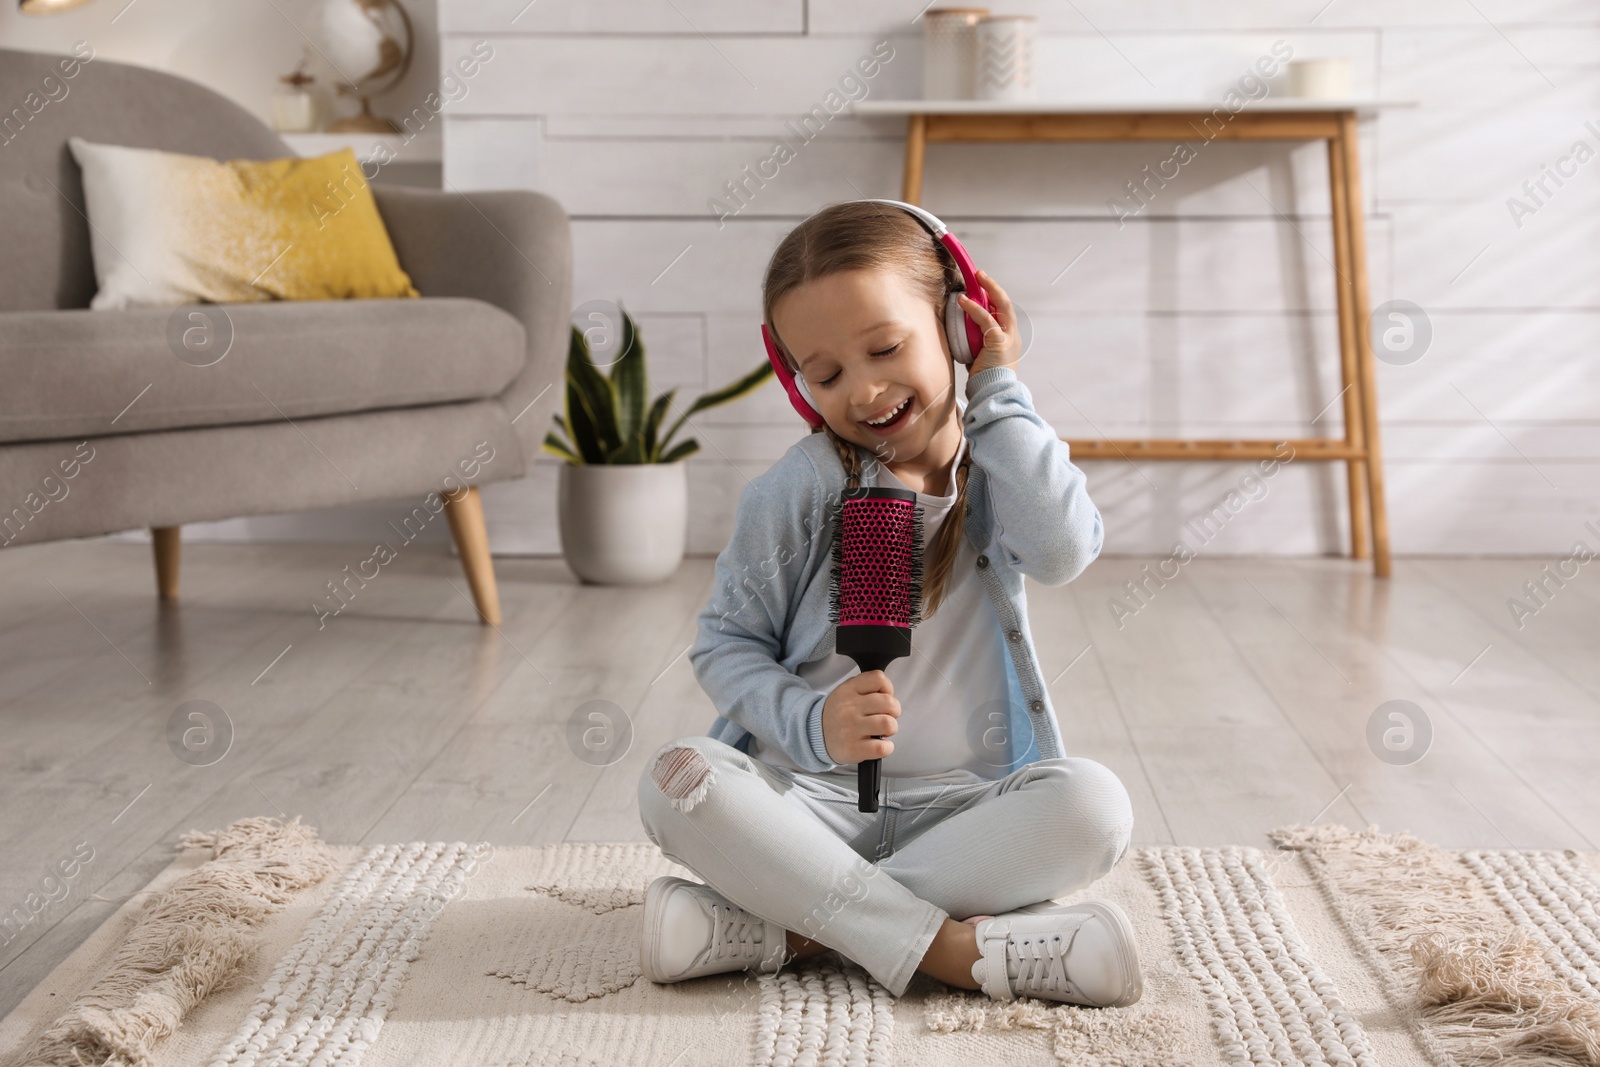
x,y
984,819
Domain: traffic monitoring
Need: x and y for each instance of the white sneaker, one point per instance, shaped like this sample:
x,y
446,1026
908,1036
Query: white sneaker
x,y
1081,954
691,930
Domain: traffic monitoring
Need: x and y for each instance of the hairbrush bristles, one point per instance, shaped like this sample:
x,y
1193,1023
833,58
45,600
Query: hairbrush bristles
x,y
879,581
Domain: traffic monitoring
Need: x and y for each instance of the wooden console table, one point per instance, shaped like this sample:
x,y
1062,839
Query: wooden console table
x,y
1332,121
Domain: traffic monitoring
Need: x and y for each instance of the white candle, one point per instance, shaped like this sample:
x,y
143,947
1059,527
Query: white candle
x,y
1322,79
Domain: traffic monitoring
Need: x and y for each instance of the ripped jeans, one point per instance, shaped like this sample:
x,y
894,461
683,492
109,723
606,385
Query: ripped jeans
x,y
792,847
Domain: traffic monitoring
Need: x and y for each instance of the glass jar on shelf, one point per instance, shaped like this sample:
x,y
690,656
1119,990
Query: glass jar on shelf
x,y
294,108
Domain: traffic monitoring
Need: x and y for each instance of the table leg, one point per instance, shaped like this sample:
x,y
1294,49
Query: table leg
x,y
916,149
1349,376
1366,369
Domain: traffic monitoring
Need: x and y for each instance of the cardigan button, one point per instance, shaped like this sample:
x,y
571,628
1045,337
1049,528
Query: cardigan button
x,y
983,561
1015,635
1036,705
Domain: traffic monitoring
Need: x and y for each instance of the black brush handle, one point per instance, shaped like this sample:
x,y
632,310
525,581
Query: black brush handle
x,y
869,772
869,781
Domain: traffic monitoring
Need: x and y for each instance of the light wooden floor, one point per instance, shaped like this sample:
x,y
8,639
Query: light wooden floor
x,y
1236,701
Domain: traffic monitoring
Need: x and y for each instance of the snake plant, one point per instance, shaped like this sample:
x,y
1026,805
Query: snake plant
x,y
606,418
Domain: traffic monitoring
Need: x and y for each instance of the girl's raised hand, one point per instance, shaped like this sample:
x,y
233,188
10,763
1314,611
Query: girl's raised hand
x,y
1002,341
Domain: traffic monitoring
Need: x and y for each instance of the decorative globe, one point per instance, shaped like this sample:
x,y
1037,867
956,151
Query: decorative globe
x,y
369,43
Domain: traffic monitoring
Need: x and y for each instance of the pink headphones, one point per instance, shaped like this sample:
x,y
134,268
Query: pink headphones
x,y
965,336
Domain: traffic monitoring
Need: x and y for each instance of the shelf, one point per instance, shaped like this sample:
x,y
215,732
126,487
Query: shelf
x,y
424,147
1316,448
1286,104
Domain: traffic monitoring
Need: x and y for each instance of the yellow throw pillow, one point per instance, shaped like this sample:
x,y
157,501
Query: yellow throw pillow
x,y
169,229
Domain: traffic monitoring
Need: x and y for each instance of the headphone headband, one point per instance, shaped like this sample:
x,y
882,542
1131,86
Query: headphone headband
x,y
922,215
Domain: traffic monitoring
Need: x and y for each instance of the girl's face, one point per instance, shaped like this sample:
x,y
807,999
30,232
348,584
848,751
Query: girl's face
x,y
867,342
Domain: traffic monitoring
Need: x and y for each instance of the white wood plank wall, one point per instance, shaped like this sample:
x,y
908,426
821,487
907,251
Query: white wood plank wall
x,y
1209,314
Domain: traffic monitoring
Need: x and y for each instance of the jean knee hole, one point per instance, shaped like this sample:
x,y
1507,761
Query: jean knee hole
x,y
683,776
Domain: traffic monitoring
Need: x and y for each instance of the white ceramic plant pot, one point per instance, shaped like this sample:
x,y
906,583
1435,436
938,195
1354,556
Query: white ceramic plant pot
x,y
623,524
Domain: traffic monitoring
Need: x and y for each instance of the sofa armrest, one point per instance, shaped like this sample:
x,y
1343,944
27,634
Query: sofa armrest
x,y
511,248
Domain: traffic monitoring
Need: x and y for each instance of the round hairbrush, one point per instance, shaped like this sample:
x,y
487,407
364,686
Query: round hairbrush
x,y
875,594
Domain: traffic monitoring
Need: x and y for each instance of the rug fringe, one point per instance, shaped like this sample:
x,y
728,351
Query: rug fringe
x,y
1484,989
1141,1035
951,1013
188,942
1501,988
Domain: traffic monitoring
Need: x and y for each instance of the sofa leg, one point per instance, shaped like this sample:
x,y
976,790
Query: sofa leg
x,y
165,540
465,513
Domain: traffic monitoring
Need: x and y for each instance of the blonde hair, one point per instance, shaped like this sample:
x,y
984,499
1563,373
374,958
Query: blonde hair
x,y
855,235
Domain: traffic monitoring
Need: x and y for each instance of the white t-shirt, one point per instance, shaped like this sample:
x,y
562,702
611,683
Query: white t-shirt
x,y
955,675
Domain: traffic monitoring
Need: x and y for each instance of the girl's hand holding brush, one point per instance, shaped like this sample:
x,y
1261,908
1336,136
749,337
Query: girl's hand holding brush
x,y
859,717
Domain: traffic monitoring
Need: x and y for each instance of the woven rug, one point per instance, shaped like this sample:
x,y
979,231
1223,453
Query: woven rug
x,y
262,945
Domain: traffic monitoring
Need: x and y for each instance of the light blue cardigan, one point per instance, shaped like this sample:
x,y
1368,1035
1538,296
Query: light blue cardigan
x,y
1028,513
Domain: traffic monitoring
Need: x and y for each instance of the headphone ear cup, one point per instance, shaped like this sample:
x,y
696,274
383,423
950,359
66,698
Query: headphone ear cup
x,y
955,328
800,383
794,384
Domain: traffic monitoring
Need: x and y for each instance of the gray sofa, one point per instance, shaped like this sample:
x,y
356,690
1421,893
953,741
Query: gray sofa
x,y
103,427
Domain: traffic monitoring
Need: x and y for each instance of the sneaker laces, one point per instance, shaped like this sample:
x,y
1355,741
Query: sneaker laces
x,y
1040,961
1042,964
736,934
